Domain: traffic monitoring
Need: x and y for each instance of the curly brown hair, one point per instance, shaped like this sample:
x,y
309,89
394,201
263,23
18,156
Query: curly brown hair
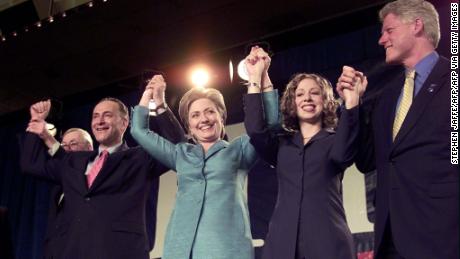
x,y
288,106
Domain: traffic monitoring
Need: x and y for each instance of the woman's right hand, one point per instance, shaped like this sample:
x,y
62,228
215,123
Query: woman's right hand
x,y
254,65
257,63
155,90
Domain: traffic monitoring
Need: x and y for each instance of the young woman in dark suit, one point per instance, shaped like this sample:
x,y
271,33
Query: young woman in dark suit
x,y
310,154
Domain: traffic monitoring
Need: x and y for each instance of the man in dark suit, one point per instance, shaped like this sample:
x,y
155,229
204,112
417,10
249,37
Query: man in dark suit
x,y
405,133
103,217
77,139
73,139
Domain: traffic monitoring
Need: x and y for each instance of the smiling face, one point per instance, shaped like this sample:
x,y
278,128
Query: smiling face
x,y
204,120
398,39
309,101
108,124
75,141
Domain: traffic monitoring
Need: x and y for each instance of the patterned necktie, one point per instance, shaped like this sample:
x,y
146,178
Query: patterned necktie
x,y
96,168
405,103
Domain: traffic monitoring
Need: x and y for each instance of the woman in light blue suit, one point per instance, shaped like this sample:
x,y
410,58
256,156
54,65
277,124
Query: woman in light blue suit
x,y
210,218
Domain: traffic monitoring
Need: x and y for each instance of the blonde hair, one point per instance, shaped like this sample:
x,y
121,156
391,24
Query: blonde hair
x,y
288,106
198,93
409,10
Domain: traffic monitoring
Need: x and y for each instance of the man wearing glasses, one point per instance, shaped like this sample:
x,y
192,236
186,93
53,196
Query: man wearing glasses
x,y
76,139
73,139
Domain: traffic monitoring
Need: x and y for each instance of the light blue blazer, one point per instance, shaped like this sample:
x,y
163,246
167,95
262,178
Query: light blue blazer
x,y
210,219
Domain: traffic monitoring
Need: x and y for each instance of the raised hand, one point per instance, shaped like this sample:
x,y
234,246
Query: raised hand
x,y
351,86
39,128
154,90
254,65
40,110
262,55
158,85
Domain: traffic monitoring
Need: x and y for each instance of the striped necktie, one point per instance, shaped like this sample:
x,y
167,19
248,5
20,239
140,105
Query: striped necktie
x,y
405,103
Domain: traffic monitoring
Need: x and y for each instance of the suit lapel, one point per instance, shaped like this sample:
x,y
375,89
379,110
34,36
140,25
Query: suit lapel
x,y
198,151
80,166
113,160
297,138
429,89
216,148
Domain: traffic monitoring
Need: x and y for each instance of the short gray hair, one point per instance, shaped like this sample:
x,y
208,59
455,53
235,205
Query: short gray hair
x,y
83,133
409,10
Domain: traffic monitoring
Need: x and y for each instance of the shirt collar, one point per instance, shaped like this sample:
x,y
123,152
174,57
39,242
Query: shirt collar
x,y
110,149
423,67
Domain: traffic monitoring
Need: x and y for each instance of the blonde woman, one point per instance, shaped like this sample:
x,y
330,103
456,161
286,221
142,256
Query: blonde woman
x,y
210,218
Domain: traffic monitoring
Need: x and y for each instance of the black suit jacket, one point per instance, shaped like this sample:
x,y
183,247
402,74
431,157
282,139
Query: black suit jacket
x,y
53,213
53,219
108,219
417,186
309,213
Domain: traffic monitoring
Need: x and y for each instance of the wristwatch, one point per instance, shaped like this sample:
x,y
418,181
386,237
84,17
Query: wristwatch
x,y
161,108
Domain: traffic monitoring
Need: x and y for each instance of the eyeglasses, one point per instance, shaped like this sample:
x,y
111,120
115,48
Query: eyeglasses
x,y
70,146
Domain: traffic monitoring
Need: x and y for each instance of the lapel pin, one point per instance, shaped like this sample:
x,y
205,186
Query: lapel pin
x,y
431,88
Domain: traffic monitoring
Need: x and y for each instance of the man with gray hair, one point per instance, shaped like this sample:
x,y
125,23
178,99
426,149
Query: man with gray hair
x,y
405,136
76,139
73,139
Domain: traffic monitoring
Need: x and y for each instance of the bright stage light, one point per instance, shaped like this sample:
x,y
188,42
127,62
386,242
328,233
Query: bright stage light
x,y
200,77
242,72
230,70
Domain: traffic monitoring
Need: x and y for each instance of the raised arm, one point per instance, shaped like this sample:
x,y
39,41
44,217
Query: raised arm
x,y
36,142
365,158
345,146
37,124
164,123
257,65
261,110
162,149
